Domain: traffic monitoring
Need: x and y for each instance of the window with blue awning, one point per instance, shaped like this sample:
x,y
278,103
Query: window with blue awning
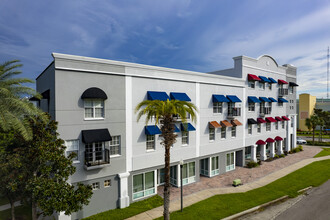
x,y
233,98
153,95
282,100
180,96
272,80
253,99
187,127
272,99
264,79
152,130
264,99
219,98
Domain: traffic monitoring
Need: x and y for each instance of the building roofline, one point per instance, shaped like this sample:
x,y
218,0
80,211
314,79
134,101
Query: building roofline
x,y
45,70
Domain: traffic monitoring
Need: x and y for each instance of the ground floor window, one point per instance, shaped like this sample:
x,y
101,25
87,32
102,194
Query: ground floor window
x,y
248,152
143,185
215,166
188,173
204,164
230,161
161,176
174,175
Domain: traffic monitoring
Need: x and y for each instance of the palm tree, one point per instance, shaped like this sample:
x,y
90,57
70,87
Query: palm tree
x,y
162,112
13,106
311,123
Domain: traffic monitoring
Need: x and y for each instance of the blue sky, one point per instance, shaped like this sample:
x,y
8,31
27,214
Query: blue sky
x,y
192,35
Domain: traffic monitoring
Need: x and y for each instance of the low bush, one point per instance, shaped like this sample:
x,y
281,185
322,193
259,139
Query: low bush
x,y
282,155
277,156
259,162
316,143
252,164
285,153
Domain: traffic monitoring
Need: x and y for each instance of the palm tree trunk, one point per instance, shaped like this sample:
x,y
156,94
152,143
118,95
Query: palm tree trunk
x,y
167,186
313,134
34,211
12,206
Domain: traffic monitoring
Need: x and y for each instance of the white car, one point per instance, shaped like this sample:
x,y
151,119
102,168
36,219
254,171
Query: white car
x,y
301,141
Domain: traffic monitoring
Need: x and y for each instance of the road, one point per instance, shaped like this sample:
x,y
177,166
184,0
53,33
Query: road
x,y
316,138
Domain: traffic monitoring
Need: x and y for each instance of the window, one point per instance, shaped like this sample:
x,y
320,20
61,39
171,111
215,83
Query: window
x,y
95,153
291,89
185,137
268,127
143,185
217,107
251,106
72,146
94,109
233,131
251,84
230,161
276,125
223,133
204,166
214,166
115,145
269,86
259,128
280,104
250,129
107,183
292,122
188,173
262,85
248,152
283,122
211,134
95,186
161,176
150,142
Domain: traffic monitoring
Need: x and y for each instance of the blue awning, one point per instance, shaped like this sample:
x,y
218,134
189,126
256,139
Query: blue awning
x,y
272,99
233,98
272,80
253,99
180,96
152,130
219,98
264,79
282,100
264,99
176,129
162,96
187,127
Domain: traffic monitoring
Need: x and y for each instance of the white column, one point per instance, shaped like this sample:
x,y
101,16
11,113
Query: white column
x,y
263,155
210,166
254,153
279,147
129,122
294,131
178,178
271,149
123,197
62,216
288,138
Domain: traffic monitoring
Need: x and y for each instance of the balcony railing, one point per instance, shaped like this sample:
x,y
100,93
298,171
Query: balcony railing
x,y
282,92
178,118
97,158
233,112
265,110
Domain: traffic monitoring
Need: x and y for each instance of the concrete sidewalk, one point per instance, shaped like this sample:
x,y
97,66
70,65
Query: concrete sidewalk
x,y
7,206
204,194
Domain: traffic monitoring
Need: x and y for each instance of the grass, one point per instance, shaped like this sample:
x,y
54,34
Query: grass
x,y
21,213
221,206
3,200
324,152
134,209
316,143
311,135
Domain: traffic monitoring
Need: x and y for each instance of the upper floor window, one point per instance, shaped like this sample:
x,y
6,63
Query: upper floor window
x,y
217,107
283,124
251,84
223,132
291,89
280,104
94,108
251,106
259,128
268,126
262,85
269,86
185,137
276,125
250,129
72,146
150,142
211,134
233,131
115,145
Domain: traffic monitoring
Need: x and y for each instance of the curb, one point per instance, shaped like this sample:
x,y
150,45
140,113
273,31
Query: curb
x,y
254,209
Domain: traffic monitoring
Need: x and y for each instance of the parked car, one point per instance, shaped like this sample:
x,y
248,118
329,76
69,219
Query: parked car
x,y
301,141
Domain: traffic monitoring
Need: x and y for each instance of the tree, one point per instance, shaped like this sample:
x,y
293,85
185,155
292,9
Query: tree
x,y
46,171
311,123
13,107
162,112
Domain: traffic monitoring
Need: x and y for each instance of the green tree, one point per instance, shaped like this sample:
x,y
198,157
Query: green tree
x,y
162,112
311,124
47,171
13,107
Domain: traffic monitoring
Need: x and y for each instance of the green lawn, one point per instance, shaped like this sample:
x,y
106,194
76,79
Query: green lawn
x,y
221,206
21,212
324,152
134,209
3,200
311,135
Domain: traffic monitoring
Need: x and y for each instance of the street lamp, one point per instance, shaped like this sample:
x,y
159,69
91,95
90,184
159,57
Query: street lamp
x,y
181,166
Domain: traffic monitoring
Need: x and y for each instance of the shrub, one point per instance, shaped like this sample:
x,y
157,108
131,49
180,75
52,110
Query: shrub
x,y
276,156
286,153
259,162
295,150
300,148
282,155
252,164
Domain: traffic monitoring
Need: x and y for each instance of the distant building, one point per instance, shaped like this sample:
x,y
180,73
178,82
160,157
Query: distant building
x,y
306,105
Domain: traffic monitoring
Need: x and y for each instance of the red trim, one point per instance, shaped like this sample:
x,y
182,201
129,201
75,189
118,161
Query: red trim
x,y
278,138
260,120
278,118
253,77
286,118
260,142
281,81
270,119
270,140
